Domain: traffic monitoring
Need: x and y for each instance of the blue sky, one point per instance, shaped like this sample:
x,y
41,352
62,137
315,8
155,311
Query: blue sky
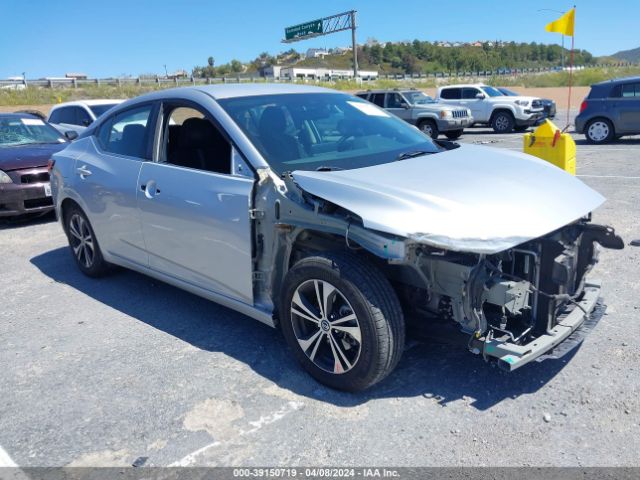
x,y
107,38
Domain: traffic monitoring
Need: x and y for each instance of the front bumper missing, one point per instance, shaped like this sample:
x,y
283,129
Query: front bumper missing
x,y
510,356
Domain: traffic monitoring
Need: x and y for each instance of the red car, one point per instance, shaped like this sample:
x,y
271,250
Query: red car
x,y
26,145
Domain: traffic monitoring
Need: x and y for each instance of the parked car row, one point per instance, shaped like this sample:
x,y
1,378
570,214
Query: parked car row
x,y
457,107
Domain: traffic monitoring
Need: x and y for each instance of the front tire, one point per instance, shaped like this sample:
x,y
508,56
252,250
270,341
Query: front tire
x,y
342,320
599,131
503,122
430,128
84,244
453,134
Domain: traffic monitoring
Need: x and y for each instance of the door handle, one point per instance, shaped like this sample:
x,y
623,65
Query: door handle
x,y
83,171
150,189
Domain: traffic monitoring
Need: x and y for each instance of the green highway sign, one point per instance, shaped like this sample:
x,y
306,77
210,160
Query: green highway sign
x,y
303,29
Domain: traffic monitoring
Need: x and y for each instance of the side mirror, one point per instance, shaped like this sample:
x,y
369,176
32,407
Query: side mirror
x,y
86,122
480,96
71,135
404,105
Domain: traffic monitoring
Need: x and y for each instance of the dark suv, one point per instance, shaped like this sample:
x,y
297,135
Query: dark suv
x,y
611,110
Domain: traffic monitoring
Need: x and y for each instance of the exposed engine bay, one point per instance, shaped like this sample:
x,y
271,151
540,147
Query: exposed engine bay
x,y
513,297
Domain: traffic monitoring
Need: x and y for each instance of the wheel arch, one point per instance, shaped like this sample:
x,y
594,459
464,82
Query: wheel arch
x,y
501,109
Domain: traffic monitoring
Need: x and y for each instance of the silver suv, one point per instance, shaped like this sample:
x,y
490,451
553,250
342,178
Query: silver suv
x,y
422,111
319,213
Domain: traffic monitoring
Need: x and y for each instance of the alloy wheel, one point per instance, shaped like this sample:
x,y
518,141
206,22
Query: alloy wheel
x,y
81,240
502,123
427,128
326,326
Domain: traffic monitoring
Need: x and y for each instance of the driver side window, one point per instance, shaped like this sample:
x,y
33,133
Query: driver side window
x,y
191,140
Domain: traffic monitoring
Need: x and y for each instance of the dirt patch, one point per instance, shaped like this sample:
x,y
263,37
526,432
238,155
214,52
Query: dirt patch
x,y
215,416
14,108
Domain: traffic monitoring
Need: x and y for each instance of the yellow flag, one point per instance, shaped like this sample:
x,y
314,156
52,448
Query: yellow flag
x,y
564,24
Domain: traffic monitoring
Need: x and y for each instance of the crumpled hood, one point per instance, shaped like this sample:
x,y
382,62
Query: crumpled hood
x,y
472,199
28,156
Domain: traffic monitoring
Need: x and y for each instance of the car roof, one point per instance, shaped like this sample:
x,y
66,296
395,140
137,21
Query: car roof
x,y
389,90
88,103
614,81
462,85
17,115
231,91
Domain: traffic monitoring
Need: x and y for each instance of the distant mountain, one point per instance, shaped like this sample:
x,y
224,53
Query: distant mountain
x,y
628,55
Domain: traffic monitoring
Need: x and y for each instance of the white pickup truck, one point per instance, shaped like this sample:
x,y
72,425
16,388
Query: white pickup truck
x,y
490,107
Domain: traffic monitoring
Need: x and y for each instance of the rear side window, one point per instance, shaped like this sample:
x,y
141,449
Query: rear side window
x,y
63,115
450,93
127,133
631,90
378,99
362,95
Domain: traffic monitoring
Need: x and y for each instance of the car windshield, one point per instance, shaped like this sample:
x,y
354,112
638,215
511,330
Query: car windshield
x,y
418,98
508,93
492,92
100,109
324,131
15,131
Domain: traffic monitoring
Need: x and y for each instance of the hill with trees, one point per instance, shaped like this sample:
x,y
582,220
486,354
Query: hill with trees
x,y
413,57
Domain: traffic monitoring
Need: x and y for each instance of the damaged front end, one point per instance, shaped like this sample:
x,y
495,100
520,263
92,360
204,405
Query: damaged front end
x,y
515,305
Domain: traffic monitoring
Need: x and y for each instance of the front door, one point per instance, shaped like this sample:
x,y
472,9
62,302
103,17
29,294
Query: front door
x,y
397,105
195,213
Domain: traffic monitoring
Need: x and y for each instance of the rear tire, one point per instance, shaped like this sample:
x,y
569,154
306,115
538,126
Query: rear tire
x,y
599,131
454,134
430,128
342,320
503,122
84,244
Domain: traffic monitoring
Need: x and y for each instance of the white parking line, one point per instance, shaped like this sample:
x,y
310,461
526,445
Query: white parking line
x,y
609,176
5,459
291,406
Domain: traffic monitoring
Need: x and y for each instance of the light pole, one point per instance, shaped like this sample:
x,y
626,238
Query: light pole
x,y
556,11
166,74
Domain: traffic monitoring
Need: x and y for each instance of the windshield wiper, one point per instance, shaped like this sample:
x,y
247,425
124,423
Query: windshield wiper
x,y
327,168
415,153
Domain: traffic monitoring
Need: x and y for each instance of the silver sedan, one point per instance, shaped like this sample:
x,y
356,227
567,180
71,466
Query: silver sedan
x,y
321,214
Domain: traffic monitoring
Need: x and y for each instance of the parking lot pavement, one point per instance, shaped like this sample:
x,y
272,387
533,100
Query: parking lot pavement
x,y
103,372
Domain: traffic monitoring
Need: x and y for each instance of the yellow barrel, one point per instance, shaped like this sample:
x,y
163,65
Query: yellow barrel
x,y
549,143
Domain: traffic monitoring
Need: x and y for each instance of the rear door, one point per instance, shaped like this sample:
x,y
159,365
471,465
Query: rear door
x,y
628,106
106,178
194,211
451,96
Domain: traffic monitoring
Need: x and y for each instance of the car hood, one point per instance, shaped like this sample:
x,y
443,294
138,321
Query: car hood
x,y
28,156
472,199
513,98
435,107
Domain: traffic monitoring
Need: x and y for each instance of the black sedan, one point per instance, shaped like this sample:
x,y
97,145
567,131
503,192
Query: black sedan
x,y
548,104
26,145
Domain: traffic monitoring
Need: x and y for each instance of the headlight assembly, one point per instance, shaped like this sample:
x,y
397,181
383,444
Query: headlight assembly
x,y
4,178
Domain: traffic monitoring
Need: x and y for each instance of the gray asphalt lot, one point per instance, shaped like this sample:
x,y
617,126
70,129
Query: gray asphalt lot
x,y
102,372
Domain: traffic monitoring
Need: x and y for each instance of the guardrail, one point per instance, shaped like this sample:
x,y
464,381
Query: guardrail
x,y
75,83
